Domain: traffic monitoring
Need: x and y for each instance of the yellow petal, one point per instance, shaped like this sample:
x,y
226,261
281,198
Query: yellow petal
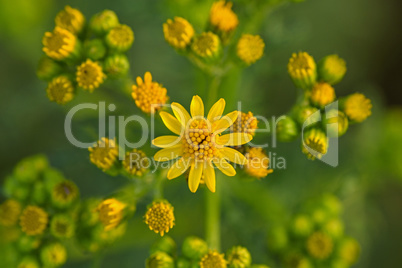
x,y
234,156
209,177
166,141
171,122
225,122
234,139
169,153
195,176
178,168
216,111
197,107
224,166
181,114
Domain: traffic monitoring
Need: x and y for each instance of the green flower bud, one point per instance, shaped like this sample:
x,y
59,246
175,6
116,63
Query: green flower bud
x,y
194,248
307,116
62,226
27,171
116,66
259,266
28,243
48,68
287,129
348,250
296,260
21,193
28,262
315,143
238,257
301,225
277,238
336,123
303,70
159,260
64,194
120,38
52,177
334,227
339,263
102,22
95,49
39,193
88,216
331,69
165,244
332,204
53,255
183,263
319,216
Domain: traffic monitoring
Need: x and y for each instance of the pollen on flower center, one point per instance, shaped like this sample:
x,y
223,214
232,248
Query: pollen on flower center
x,y
198,141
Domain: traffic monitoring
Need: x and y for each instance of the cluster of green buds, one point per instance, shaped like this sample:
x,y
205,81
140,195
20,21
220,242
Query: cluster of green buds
x,y
319,114
314,237
196,253
83,55
39,214
105,155
208,50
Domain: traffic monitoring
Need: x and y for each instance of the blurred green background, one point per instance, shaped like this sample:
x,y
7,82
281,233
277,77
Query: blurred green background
x,y
368,178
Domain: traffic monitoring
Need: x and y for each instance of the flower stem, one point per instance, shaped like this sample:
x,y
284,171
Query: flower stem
x,y
212,222
213,90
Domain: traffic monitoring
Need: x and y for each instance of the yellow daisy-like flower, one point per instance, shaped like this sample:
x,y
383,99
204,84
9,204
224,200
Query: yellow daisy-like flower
x,y
200,144
357,107
213,260
160,217
322,94
206,45
257,163
111,213
315,143
120,37
245,123
90,75
9,212
303,70
60,90
33,220
136,162
70,19
178,32
59,44
250,48
148,95
319,245
104,153
222,16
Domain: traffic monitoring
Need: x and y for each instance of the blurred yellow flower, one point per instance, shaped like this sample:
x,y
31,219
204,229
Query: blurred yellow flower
x,y
160,217
222,16
111,213
9,212
60,90
120,37
213,260
90,75
206,45
104,153
303,70
149,96
178,32
257,163
200,144
59,44
250,48
357,107
322,94
319,245
33,220
332,69
136,162
315,143
245,123
70,19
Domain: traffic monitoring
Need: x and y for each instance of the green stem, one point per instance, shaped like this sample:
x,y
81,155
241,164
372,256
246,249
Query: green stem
x,y
212,213
213,90
158,194
97,261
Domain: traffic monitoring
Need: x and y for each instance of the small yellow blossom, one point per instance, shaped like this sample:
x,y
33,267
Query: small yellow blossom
x,y
111,213
222,16
148,95
136,162
250,48
178,32
239,257
319,245
332,69
357,107
349,250
303,70
70,19
90,75
120,37
9,212
104,153
60,90
206,45
200,145
315,143
33,220
245,123
213,260
59,44
160,217
322,94
53,255
257,163
64,194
